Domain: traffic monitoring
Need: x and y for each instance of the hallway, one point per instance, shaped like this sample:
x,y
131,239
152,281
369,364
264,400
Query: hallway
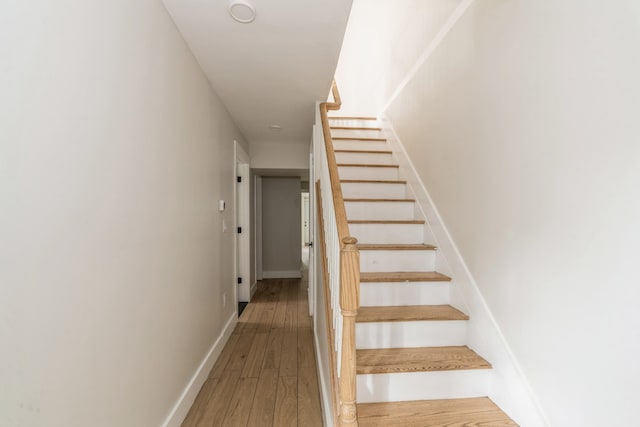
x,y
266,374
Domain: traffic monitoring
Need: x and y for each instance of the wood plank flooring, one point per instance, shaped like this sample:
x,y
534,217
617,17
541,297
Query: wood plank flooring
x,y
266,373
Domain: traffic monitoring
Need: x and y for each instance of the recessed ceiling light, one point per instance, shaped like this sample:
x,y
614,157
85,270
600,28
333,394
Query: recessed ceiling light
x,y
275,127
242,11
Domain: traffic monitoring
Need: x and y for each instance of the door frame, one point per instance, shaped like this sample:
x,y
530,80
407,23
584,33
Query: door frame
x,y
257,216
305,217
312,233
242,241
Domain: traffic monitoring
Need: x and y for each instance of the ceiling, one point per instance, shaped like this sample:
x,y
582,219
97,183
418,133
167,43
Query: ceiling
x,y
271,71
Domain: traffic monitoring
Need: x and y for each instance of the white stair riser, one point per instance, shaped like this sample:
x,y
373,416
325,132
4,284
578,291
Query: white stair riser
x,y
365,158
357,190
355,123
360,172
380,261
381,210
388,233
341,144
425,333
350,133
422,385
404,293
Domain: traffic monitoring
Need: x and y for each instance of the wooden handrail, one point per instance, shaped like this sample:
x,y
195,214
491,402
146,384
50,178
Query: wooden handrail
x,y
349,276
336,189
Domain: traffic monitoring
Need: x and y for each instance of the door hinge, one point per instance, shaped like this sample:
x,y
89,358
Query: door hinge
x,y
239,230
239,280
239,179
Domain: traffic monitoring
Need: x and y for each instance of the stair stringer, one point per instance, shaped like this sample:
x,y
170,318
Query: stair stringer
x,y
508,386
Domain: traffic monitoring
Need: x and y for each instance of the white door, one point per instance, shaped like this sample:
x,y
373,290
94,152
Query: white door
x,y
305,219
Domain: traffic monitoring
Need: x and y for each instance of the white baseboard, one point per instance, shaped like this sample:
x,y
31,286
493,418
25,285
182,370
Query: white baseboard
x,y
189,394
325,389
509,387
284,274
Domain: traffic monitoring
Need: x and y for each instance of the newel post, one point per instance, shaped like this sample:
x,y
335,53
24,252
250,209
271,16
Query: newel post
x,y
349,304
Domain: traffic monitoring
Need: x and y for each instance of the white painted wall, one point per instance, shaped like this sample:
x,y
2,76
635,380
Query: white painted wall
x,y
274,155
523,126
113,154
382,42
281,228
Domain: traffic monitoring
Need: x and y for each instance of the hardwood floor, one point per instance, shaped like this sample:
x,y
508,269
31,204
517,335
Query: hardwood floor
x,y
266,374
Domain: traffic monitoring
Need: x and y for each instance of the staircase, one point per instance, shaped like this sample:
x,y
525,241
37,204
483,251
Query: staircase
x,y
413,367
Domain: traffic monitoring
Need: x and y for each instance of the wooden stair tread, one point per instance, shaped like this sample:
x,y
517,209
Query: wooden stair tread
x,y
404,276
362,138
420,359
364,151
366,165
354,128
379,200
386,221
351,118
470,412
408,313
373,181
395,247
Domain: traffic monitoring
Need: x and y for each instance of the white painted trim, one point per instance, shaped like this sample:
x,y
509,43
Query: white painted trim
x,y
453,19
241,218
257,216
189,394
509,387
254,288
311,271
284,274
325,389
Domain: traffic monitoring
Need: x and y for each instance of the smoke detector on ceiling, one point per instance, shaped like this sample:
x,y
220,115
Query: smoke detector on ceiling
x,y
242,11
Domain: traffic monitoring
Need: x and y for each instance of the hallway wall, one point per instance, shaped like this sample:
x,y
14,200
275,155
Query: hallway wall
x,y
284,155
113,154
523,126
281,235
